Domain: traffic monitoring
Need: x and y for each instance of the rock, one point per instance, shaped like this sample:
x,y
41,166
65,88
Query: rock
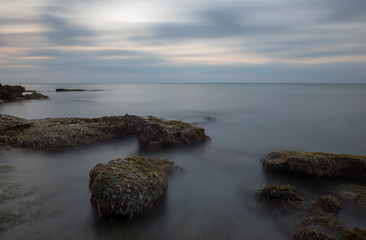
x,y
209,118
128,187
355,234
351,196
15,93
319,219
69,90
322,216
70,133
73,90
312,233
316,164
327,204
154,133
282,199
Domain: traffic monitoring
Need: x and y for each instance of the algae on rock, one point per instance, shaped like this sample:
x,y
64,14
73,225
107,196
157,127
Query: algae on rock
x,y
128,187
69,133
316,164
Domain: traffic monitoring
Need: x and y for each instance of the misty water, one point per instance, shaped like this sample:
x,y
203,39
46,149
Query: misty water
x,y
213,198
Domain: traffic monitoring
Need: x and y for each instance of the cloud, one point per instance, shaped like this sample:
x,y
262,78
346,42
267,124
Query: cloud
x,y
215,23
206,41
64,32
344,11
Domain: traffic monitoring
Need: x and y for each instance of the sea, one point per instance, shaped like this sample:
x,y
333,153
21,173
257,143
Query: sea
x,y
214,196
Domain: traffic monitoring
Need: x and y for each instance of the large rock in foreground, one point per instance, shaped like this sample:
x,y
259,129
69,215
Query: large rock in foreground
x,y
316,164
69,133
16,93
128,187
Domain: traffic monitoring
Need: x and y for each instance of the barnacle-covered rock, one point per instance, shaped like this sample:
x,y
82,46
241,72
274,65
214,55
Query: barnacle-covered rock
x,y
68,133
316,164
128,187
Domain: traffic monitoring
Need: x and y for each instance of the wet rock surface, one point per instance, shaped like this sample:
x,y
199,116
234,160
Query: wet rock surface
x,y
316,164
16,93
69,133
128,187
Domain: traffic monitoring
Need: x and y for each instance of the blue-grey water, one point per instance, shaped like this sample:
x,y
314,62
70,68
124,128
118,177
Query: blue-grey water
x,y
214,197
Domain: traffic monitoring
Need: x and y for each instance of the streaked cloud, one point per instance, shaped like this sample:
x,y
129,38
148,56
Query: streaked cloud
x,y
204,41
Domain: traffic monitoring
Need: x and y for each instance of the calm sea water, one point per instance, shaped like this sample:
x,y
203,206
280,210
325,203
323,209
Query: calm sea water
x,y
214,197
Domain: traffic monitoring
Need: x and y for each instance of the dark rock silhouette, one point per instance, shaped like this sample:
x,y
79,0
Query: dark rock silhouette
x,y
16,93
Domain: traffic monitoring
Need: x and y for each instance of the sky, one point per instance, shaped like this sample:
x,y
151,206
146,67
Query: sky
x,y
159,41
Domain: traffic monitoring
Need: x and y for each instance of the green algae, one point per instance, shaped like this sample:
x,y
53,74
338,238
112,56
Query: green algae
x,y
129,186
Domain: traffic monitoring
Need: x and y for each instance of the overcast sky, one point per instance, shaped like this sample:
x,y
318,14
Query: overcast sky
x,y
182,41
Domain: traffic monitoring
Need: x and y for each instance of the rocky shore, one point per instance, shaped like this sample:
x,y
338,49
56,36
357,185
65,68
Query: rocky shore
x,y
316,219
16,93
128,187
60,134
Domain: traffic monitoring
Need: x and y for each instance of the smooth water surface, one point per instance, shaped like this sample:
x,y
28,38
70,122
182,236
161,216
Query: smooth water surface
x,y
213,198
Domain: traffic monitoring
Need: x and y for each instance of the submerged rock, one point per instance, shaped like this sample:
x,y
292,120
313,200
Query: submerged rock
x,y
128,187
16,93
351,196
282,199
69,133
319,219
316,164
322,216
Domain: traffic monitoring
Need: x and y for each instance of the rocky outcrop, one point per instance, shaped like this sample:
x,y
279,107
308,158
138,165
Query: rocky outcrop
x,y
69,133
316,164
69,90
16,93
128,187
75,90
